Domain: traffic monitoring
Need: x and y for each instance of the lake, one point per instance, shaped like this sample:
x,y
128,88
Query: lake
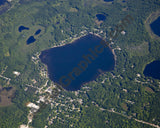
x,y
101,17
155,26
21,28
30,40
152,70
79,62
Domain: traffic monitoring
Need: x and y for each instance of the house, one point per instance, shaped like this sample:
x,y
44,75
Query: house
x,y
16,73
123,32
32,105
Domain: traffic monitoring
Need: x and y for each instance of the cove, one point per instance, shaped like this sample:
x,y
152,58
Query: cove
x,y
155,26
21,28
153,70
79,62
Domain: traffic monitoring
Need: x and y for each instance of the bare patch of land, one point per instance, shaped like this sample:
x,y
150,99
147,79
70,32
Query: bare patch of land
x,y
98,22
73,10
124,106
140,50
6,96
148,89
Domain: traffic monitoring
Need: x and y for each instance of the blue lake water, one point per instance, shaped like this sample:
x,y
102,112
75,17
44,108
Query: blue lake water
x,y
2,1
30,40
108,0
101,17
21,28
80,62
38,32
153,70
155,26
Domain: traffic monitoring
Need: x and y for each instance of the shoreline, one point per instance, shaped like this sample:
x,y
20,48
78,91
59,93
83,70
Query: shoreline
x,y
77,38
115,56
72,41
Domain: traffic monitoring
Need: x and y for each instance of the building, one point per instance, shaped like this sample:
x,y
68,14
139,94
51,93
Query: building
x,y
16,73
32,105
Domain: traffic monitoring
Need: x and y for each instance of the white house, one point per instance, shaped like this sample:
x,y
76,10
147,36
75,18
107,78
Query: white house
x,y
32,105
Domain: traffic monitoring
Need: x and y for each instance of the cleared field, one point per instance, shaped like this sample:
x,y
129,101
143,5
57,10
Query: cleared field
x,y
6,97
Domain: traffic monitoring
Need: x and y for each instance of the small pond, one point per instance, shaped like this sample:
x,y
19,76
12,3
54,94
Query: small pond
x,y
21,28
38,32
30,40
101,17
